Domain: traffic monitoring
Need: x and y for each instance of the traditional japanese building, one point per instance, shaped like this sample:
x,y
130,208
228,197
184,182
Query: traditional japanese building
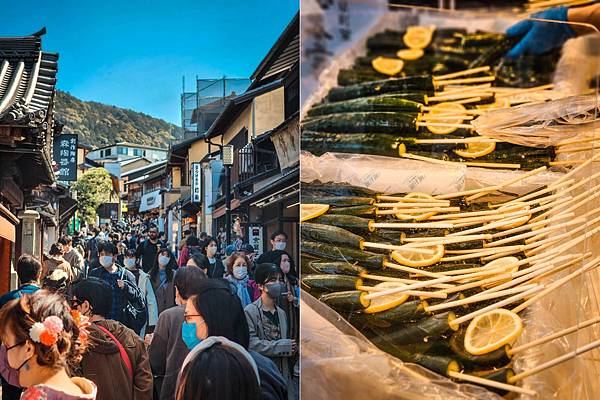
x,y
29,196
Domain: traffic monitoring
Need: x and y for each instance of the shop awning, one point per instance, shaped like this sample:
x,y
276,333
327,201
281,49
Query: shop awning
x,y
151,201
7,224
67,207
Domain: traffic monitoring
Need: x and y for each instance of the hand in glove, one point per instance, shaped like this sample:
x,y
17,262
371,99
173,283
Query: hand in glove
x,y
538,37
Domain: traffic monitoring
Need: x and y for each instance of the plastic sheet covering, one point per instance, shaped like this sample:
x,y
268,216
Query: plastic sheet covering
x,y
388,175
542,124
338,362
581,54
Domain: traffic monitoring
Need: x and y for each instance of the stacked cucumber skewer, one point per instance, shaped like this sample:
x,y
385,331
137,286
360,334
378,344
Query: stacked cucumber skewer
x,y
414,95
442,281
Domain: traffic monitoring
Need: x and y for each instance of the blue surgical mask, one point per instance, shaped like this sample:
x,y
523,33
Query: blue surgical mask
x,y
188,334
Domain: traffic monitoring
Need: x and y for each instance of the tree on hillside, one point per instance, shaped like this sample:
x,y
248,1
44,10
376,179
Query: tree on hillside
x,y
93,189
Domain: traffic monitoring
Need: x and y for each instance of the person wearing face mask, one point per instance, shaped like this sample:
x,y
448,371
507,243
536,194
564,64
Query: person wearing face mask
x,y
122,282
161,276
42,340
216,310
278,242
116,360
148,249
212,266
268,325
237,274
145,285
166,347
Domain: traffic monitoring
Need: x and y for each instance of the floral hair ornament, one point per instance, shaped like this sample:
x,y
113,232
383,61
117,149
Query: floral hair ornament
x,y
46,332
82,322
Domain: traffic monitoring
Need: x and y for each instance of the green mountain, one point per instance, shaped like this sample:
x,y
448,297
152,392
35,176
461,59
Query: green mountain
x,y
100,124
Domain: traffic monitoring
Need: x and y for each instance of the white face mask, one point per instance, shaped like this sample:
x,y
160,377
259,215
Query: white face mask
x,y
163,260
240,272
106,261
280,245
130,263
285,267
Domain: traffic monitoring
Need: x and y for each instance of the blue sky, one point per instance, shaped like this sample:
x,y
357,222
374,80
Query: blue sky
x,y
133,53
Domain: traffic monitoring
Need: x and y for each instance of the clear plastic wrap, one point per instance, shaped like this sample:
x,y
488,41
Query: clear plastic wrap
x,y
542,124
338,362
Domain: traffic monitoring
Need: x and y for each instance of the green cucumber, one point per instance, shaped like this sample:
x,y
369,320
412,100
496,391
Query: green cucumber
x,y
350,222
336,189
349,300
356,211
421,331
391,103
339,253
495,359
494,53
340,201
420,83
330,234
483,39
331,283
364,122
336,268
380,144
408,311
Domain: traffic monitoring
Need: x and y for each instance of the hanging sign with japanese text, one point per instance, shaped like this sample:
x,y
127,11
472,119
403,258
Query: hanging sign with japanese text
x,y
65,155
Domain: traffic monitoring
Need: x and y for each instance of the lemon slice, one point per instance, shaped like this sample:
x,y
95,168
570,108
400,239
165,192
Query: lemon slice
x,y
384,303
418,217
413,259
417,37
310,211
410,54
475,150
492,330
506,265
515,207
444,108
387,66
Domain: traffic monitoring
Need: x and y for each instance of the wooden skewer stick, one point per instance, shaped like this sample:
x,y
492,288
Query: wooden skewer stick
x,y
490,165
577,169
450,112
497,305
488,382
556,361
411,270
479,79
402,204
532,225
427,159
445,125
534,195
416,293
553,336
577,140
506,250
493,225
476,299
470,71
461,89
411,225
401,199
576,149
460,96
556,284
408,282
444,240
479,139
386,246
415,210
507,183
534,233
528,90
467,101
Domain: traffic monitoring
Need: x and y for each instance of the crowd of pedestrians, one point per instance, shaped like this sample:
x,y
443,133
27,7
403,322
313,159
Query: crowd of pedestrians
x,y
116,314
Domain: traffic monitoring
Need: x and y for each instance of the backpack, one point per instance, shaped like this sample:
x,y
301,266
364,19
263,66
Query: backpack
x,y
135,312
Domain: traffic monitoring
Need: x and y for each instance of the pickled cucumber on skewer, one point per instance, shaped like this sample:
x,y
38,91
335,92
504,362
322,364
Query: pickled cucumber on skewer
x,y
340,201
356,211
424,330
364,122
391,103
364,143
331,283
496,359
339,253
336,267
421,83
330,234
405,312
350,300
350,222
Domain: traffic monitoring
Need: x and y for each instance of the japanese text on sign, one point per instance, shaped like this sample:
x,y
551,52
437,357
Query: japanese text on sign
x,y
65,156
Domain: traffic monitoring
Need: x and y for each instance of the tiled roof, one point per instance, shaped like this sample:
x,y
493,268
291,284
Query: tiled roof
x,y
27,80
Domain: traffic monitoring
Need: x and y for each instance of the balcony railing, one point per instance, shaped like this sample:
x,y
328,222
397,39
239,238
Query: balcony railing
x,y
251,160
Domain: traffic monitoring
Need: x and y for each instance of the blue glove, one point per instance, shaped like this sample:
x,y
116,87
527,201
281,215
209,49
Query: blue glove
x,y
538,37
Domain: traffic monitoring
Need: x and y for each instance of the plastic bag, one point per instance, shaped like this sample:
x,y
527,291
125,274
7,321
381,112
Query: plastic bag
x,y
338,362
542,124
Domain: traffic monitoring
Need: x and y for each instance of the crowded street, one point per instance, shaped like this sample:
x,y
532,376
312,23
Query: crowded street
x,y
144,259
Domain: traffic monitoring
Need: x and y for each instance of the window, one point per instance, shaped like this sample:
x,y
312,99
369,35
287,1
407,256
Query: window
x,y
107,152
137,152
122,150
101,153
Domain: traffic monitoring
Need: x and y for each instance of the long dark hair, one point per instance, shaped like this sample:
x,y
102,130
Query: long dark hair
x,y
206,242
171,266
274,257
218,303
218,373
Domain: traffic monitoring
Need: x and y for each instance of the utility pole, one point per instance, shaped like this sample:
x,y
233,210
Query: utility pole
x,y
228,203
